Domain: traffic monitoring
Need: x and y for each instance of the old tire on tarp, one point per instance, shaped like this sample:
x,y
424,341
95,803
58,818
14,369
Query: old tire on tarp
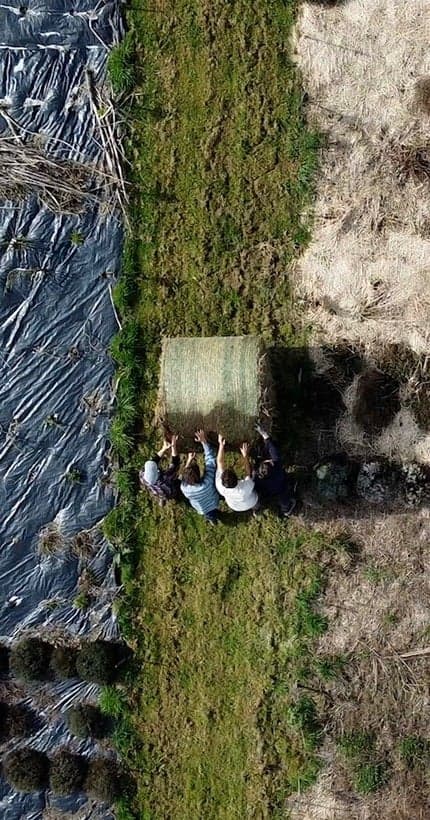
x,y
220,383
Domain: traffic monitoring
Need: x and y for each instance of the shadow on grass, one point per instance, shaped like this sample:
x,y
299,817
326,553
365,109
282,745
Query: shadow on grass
x,y
328,3
309,403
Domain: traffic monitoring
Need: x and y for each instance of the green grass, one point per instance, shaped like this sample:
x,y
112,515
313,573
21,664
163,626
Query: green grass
x,y
331,666
371,776
222,727
368,769
379,575
121,69
74,475
112,701
82,600
415,752
76,238
223,620
354,745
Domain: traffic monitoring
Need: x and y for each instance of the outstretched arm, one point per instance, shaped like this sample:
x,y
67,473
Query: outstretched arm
x,y
245,455
220,463
208,451
174,445
190,458
272,449
165,448
174,457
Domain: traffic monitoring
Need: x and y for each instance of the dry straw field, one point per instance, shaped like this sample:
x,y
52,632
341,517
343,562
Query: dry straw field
x,y
364,285
365,276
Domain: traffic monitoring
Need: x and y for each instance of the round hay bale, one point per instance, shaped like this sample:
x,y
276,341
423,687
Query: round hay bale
x,y
220,383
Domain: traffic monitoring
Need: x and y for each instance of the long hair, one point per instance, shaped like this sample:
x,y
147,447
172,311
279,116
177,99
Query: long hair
x,y
192,474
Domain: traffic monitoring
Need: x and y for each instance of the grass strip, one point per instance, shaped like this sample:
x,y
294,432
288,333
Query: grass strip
x,y
222,715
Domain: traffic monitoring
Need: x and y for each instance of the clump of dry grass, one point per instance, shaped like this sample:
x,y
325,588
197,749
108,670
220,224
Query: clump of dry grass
x,y
82,544
410,162
51,539
67,185
422,94
63,186
376,401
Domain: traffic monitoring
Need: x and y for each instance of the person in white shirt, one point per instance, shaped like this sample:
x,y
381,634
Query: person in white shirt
x,y
239,494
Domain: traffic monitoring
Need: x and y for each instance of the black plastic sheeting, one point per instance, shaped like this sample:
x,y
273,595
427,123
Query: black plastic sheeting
x,y
57,380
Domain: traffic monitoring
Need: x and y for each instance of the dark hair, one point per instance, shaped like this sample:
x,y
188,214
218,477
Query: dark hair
x,y
229,478
265,468
192,474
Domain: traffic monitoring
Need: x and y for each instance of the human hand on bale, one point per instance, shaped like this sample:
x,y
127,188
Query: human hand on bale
x,y
190,458
245,449
174,443
200,436
221,440
164,449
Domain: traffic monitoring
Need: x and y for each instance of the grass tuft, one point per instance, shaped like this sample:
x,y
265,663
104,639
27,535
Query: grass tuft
x,y
368,769
121,67
331,666
355,744
112,701
415,752
371,776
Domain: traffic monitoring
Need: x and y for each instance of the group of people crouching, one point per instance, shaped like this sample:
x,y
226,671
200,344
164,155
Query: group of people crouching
x,y
265,481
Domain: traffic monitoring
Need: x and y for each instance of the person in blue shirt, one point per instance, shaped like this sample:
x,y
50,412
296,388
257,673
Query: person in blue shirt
x,y
200,489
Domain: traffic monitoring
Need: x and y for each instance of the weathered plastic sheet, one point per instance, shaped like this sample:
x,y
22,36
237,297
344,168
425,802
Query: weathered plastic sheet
x,y
56,323
60,23
56,375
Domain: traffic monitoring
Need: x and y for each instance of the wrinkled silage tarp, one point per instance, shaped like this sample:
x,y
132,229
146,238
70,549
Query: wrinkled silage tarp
x,y
56,374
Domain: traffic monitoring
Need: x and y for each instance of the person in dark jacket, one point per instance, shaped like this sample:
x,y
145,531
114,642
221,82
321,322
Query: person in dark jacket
x,y
163,484
272,482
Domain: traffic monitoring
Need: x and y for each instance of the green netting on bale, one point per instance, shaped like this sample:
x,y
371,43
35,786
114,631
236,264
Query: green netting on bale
x,y
218,383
